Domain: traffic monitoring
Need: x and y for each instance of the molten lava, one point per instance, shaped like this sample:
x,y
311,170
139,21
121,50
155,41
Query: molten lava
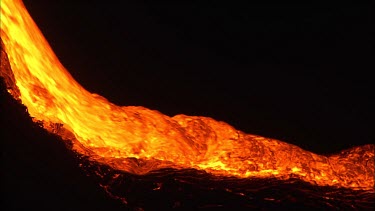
x,y
139,140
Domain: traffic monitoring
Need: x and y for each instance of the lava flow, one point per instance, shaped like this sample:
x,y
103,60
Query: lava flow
x,y
121,137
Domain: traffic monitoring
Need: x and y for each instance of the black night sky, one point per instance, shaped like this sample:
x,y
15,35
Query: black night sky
x,y
299,73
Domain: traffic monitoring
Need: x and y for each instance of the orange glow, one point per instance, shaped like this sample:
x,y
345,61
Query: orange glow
x,y
139,140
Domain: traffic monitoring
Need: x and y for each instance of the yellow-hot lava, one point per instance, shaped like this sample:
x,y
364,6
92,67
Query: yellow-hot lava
x,y
116,135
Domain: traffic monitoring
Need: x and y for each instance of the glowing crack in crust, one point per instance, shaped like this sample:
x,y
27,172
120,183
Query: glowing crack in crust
x,y
115,135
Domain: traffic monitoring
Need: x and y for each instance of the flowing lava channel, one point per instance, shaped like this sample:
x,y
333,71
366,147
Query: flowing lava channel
x,y
138,140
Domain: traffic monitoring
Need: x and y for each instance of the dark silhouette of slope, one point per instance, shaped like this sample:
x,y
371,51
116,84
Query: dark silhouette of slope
x,y
38,170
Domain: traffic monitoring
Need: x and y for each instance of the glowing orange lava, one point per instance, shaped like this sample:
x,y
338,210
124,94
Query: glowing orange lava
x,y
118,135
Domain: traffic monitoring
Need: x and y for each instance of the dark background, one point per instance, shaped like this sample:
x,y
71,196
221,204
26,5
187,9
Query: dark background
x,y
295,72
